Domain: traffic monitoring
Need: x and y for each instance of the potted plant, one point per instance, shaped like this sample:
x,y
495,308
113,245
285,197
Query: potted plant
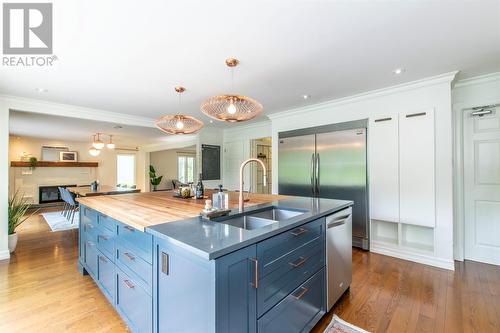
x,y
18,205
33,162
155,181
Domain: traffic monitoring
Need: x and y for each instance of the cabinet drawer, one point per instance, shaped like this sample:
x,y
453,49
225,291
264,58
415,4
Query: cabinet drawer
x,y
91,257
107,223
289,272
134,303
273,248
127,257
299,311
140,242
88,215
106,242
106,275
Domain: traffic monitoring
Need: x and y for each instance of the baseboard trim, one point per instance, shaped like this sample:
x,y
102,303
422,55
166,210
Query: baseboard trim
x,y
415,257
4,255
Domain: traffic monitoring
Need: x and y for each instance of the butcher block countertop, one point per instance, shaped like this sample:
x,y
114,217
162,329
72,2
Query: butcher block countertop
x,y
142,210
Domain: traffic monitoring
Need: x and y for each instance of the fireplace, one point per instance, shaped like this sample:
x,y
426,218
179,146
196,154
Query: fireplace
x,y
49,194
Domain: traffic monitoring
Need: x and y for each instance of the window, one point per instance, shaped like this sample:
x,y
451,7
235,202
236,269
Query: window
x,y
125,170
185,167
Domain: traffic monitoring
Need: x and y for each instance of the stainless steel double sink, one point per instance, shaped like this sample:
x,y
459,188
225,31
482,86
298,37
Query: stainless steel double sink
x,y
260,218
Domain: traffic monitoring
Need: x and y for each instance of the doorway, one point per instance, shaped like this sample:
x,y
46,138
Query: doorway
x,y
481,144
261,149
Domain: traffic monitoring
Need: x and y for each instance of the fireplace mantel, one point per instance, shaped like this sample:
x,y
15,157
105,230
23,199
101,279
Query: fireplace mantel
x,y
49,164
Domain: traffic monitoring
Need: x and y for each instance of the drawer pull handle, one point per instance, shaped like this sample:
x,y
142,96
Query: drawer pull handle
x,y
129,228
255,283
299,262
89,243
129,256
416,114
299,231
104,237
129,284
165,263
101,258
89,226
302,293
383,119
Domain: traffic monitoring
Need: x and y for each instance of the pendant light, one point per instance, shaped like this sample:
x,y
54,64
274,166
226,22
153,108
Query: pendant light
x,y
231,107
110,144
98,144
179,123
93,151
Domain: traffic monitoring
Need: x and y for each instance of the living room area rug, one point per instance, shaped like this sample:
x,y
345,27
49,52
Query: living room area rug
x,y
58,222
338,325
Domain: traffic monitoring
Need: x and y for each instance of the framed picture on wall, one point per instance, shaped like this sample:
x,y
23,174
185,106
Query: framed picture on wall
x,y
68,156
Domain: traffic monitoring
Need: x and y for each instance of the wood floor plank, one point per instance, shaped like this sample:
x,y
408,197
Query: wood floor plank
x,y
41,291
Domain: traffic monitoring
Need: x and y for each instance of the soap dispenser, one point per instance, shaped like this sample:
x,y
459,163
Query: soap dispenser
x,y
220,200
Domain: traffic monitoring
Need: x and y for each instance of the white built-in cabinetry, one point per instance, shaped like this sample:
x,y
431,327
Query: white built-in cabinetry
x,y
402,181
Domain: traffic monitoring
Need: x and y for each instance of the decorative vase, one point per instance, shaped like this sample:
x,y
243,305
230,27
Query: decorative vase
x,y
155,187
12,242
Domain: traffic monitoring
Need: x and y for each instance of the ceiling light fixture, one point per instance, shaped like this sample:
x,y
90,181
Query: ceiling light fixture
x,y
231,107
179,123
110,144
98,144
398,71
41,90
306,96
94,152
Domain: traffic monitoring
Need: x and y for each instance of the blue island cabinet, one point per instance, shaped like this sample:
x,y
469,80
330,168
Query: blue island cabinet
x,y
197,295
275,285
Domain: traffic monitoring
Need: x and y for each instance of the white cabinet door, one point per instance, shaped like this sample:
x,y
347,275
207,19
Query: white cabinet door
x,y
416,168
384,168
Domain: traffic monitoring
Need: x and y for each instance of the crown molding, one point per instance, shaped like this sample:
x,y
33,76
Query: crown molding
x,y
245,127
427,82
478,80
65,110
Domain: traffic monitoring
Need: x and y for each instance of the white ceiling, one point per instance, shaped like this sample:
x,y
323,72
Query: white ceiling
x,y
126,56
80,130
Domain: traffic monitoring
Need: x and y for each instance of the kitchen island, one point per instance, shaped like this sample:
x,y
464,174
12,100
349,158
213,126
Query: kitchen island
x,y
165,269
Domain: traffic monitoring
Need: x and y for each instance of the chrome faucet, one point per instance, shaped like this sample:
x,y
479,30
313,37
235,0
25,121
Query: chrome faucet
x,y
242,168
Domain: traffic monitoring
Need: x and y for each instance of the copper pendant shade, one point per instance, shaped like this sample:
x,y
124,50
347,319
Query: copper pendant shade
x,y
232,108
179,123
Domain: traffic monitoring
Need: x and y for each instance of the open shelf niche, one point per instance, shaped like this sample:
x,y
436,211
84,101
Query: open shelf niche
x,y
407,237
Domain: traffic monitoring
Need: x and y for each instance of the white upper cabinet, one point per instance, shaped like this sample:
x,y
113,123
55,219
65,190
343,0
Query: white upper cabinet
x,y
417,168
384,168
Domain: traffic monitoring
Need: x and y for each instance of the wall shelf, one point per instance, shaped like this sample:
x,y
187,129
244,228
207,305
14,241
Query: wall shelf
x,y
50,164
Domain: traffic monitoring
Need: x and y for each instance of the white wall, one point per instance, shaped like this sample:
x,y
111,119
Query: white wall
x,y
477,91
165,164
4,178
28,183
433,93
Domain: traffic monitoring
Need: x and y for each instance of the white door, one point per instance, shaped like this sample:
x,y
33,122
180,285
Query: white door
x,y
416,168
384,168
482,186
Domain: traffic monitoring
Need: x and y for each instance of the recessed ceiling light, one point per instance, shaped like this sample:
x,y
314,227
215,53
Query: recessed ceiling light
x,y
41,90
117,127
211,121
399,71
306,96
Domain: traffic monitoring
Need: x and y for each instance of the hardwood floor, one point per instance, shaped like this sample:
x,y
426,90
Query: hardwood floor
x,y
42,291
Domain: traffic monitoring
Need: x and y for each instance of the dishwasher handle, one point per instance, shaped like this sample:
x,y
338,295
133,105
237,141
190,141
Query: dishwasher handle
x,y
338,218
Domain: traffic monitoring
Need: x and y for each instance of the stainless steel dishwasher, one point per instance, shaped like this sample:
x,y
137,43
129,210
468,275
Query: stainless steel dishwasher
x,y
338,254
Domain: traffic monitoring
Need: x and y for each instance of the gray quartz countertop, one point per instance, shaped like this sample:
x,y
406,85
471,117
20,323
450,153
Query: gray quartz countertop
x,y
210,239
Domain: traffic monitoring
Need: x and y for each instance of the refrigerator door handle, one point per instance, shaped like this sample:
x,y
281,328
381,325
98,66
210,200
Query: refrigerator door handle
x,y
312,174
317,174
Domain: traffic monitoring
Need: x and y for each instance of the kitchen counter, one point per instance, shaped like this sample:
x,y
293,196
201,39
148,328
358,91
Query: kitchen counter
x,y
211,240
143,210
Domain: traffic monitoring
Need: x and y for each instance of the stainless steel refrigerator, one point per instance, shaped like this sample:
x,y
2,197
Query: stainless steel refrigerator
x,y
328,162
